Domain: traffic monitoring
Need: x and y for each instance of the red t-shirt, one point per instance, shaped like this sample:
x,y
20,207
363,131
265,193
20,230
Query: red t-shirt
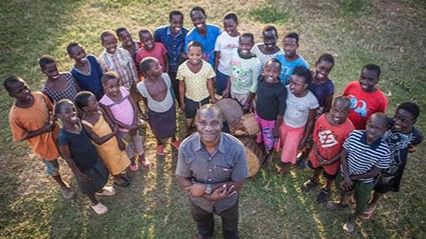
x,y
158,52
329,141
364,104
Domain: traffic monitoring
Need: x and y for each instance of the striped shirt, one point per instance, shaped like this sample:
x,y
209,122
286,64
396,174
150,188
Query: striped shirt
x,y
122,63
361,156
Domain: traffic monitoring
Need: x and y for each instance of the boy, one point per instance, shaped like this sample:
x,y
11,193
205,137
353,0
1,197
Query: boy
x,y
290,59
226,42
401,138
205,34
151,48
157,96
364,154
365,98
173,38
30,120
127,41
118,60
244,71
331,130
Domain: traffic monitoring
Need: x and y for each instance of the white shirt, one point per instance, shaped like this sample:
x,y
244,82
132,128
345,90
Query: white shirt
x,y
297,111
225,44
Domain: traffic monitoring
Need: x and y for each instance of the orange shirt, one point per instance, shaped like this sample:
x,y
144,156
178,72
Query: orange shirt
x,y
23,120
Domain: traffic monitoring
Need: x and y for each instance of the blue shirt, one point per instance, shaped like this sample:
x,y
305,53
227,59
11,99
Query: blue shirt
x,y
92,81
287,67
322,91
173,43
207,41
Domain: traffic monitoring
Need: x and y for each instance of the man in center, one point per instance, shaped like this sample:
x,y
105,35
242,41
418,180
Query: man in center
x,y
211,169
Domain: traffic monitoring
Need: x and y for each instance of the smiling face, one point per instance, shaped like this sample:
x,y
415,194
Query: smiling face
x,y
298,85
403,121
68,114
322,69
77,53
209,125
20,91
271,72
195,54
230,26
112,87
376,127
109,42
290,46
245,45
368,80
51,71
269,40
199,20
147,40
176,23
126,39
339,112
92,104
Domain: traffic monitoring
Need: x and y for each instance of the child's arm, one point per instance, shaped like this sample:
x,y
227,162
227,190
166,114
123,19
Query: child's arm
x,y
134,124
227,91
166,59
347,182
182,89
99,140
65,153
327,104
308,127
210,88
370,174
111,116
216,59
113,126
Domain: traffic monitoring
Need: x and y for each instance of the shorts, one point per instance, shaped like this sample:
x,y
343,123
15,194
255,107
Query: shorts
x,y
362,193
191,107
52,167
324,173
221,82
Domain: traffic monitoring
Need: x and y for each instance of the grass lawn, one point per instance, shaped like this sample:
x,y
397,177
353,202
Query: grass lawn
x,y
390,33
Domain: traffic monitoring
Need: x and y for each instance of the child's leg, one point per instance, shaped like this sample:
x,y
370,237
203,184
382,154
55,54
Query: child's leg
x,y
97,206
137,143
52,168
92,198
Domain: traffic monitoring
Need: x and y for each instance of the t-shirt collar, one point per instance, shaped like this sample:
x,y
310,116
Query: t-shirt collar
x,y
169,31
199,146
373,145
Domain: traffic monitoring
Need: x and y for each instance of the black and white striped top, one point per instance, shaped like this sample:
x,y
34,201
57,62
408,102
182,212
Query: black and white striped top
x,y
361,157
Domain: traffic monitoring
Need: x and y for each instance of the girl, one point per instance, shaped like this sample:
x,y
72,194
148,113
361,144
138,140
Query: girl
x,y
58,85
322,87
80,154
298,117
86,70
270,105
268,49
226,42
196,83
103,133
122,110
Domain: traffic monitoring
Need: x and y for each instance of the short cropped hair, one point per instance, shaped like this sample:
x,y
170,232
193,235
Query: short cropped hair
x,y
10,80
144,65
194,44
293,35
197,8
231,16
248,35
175,13
71,45
411,107
325,57
45,60
303,72
107,33
372,67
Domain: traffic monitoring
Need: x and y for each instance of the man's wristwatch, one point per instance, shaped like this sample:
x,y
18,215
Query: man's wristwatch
x,y
208,189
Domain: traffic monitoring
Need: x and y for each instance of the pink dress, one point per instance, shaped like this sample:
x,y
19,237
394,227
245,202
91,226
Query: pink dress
x,y
122,111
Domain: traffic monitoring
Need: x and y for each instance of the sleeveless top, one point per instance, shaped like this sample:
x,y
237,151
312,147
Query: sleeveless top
x,y
121,111
154,105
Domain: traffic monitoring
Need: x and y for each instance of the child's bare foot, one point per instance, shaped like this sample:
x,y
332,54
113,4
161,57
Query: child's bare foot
x,y
160,150
99,208
133,165
145,163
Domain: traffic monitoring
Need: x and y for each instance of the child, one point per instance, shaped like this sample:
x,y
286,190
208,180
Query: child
x,y
268,49
103,132
58,86
173,38
122,111
226,42
151,48
401,138
298,118
244,70
290,59
86,70
157,96
205,34
365,98
196,83
127,41
331,130
118,60
30,119
270,105
80,155
364,154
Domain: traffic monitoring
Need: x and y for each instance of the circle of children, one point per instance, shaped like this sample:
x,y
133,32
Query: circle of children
x,y
349,139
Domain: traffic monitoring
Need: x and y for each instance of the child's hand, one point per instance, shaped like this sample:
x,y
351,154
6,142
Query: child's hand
x,y
275,132
346,185
182,107
246,107
225,93
214,100
411,149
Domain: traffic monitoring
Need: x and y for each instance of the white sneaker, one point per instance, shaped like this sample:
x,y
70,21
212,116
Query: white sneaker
x,y
100,208
106,191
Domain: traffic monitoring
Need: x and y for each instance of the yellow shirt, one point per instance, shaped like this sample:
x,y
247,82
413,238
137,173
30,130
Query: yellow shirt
x,y
195,83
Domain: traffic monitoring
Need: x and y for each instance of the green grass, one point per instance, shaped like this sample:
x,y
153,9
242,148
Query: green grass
x,y
389,33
